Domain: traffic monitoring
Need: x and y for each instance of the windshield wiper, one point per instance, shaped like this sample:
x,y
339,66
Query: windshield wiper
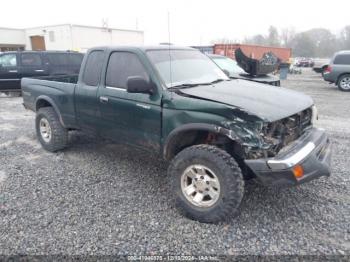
x,y
188,85
216,81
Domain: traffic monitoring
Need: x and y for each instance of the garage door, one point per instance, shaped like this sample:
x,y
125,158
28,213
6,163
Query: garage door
x,y
38,43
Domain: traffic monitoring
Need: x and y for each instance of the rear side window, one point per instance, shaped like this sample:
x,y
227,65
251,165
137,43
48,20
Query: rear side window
x,y
342,59
31,60
76,59
57,59
8,60
93,68
122,65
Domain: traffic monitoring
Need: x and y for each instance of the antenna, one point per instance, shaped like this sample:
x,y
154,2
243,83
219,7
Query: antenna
x,y
169,43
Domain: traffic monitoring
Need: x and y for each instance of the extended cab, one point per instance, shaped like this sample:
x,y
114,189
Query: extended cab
x,y
215,132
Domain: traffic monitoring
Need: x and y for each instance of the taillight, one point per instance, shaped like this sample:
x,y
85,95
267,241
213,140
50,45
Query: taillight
x,y
328,69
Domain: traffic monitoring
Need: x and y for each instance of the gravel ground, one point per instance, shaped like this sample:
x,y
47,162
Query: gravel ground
x,y
101,198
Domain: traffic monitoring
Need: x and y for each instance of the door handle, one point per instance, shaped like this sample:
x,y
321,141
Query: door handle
x,y
13,71
103,99
39,70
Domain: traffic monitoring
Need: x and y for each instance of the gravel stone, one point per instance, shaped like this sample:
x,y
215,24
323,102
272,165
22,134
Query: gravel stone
x,y
101,198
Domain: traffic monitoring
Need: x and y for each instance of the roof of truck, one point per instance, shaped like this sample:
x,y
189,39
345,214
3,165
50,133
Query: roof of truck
x,y
147,47
343,52
47,51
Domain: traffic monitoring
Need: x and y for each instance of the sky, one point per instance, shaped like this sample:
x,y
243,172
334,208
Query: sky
x,y
192,22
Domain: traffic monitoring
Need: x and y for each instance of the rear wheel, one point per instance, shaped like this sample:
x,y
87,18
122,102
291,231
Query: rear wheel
x,y
207,183
49,130
344,83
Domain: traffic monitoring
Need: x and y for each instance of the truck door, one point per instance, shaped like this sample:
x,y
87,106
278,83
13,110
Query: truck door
x,y
9,73
86,103
32,65
129,117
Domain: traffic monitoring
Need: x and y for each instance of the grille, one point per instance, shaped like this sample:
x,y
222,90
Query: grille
x,y
282,132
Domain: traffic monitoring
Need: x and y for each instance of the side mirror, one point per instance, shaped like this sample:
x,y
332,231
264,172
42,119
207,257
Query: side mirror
x,y
137,84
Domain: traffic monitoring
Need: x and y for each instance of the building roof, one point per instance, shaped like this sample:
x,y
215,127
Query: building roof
x,y
86,26
73,25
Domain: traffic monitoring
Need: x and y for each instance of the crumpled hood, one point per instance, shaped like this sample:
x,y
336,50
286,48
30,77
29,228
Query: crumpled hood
x,y
267,102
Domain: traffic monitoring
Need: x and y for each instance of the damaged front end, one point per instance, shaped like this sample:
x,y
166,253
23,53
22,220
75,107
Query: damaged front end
x,y
260,139
281,133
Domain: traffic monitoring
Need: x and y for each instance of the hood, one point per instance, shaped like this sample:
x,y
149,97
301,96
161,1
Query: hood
x,y
267,102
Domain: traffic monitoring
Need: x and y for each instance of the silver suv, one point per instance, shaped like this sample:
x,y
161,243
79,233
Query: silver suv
x,y
338,71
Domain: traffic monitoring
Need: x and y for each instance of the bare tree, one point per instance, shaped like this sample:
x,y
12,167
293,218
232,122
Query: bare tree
x,y
287,36
255,40
345,38
273,37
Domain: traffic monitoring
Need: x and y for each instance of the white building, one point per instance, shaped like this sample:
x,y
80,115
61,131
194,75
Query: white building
x,y
66,37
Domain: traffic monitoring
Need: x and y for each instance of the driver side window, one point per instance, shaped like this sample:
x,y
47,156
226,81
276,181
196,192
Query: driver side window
x,y
122,65
8,60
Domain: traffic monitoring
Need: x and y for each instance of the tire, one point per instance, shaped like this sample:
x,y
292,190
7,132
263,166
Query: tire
x,y
228,175
56,137
344,83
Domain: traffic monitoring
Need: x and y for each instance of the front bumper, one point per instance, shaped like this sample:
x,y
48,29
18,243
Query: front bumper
x,y
312,151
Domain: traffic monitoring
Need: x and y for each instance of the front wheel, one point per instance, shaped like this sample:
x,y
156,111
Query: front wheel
x,y
207,183
49,130
344,83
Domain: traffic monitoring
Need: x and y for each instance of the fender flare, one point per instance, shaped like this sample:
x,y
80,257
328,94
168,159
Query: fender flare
x,y
52,103
196,127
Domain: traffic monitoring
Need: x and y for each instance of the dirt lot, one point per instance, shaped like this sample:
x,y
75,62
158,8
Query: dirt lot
x,y
102,198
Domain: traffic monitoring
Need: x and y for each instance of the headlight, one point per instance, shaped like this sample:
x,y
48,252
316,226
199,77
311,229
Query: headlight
x,y
314,114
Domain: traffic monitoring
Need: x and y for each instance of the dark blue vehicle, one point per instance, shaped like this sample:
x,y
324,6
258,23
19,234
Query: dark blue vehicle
x,y
16,65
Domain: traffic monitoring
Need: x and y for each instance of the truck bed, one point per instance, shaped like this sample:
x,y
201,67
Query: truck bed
x,y
57,89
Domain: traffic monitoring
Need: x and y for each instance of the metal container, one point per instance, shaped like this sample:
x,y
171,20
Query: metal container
x,y
253,51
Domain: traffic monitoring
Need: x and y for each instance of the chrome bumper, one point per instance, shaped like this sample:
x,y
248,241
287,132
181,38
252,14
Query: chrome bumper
x,y
312,151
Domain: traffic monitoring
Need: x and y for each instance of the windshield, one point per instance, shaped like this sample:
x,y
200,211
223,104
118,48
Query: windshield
x,y
228,64
187,67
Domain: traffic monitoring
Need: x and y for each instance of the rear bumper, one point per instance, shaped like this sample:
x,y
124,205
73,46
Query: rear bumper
x,y
329,77
312,152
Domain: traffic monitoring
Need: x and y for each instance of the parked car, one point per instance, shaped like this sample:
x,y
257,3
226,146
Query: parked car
x,y
236,72
175,102
338,70
15,65
305,62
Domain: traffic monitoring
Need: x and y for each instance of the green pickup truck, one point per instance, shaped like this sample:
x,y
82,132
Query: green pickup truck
x,y
215,132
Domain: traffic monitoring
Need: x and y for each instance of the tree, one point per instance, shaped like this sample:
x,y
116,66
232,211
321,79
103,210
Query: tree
x,y
255,40
287,36
273,37
303,45
345,38
325,41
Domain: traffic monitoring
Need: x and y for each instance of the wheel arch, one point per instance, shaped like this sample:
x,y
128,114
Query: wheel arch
x,y
45,101
341,75
190,134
